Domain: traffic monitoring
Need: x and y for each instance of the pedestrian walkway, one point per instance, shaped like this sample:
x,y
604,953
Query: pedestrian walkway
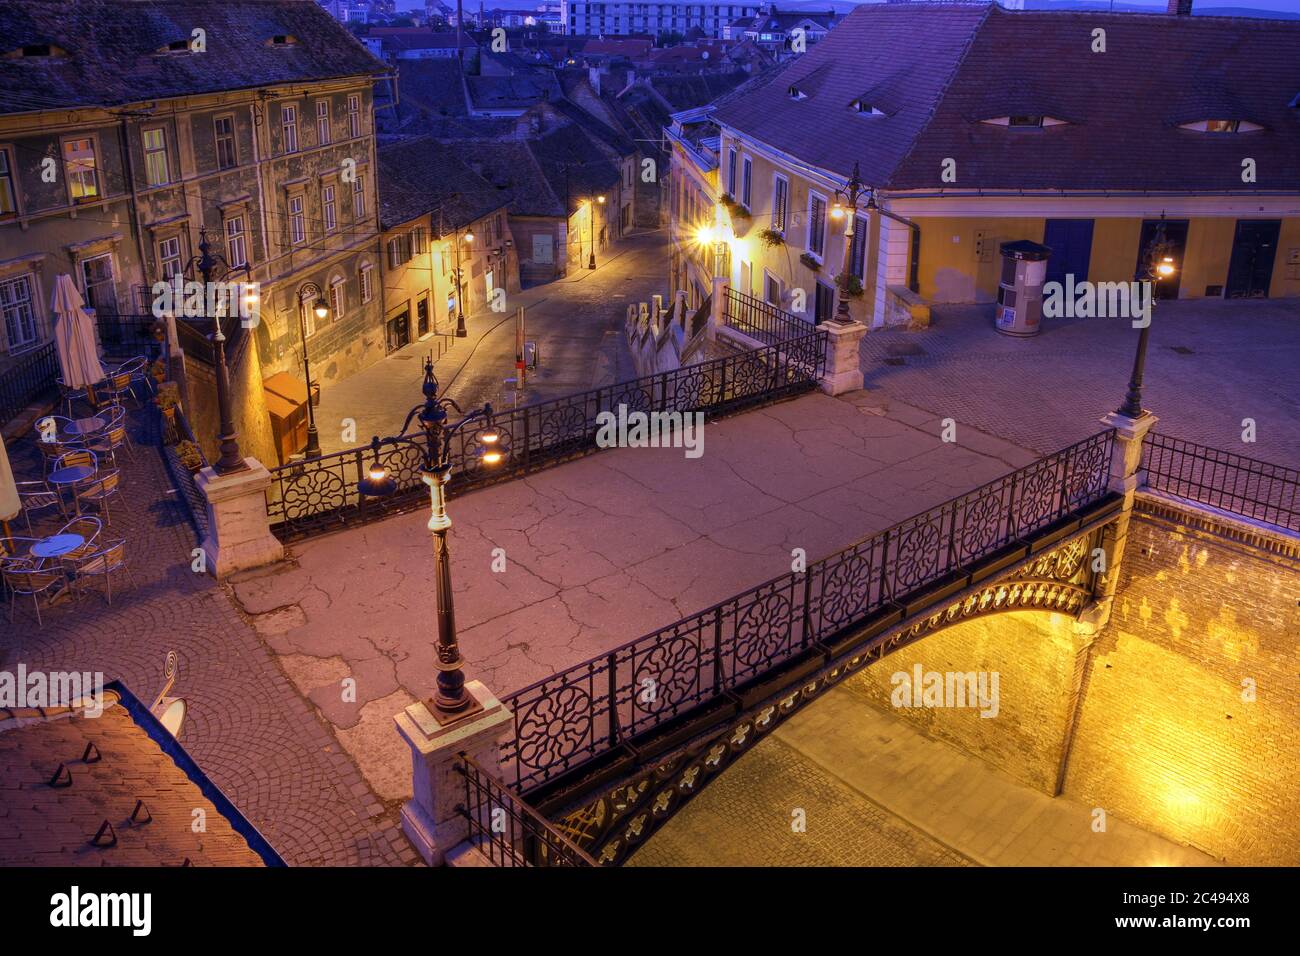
x,y
254,737
576,321
875,791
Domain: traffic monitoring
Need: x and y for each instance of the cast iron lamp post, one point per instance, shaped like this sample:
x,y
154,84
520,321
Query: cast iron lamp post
x,y
591,233
207,265
452,701
1159,266
461,332
321,310
846,202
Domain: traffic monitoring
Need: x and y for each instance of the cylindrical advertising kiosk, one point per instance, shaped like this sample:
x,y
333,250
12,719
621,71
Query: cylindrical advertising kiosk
x,y
1020,291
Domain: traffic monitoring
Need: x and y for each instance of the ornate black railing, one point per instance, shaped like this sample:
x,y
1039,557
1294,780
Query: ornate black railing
x,y
1234,483
28,378
320,494
508,831
578,715
762,320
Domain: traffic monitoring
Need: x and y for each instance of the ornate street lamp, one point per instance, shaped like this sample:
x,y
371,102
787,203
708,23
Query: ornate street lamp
x,y
461,331
1160,265
846,204
452,701
209,265
591,232
321,310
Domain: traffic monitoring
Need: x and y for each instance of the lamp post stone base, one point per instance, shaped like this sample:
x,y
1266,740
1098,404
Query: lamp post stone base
x,y
843,364
430,819
239,530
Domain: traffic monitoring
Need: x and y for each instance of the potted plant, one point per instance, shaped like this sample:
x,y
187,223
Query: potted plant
x,y
771,238
850,285
168,397
808,260
190,455
158,369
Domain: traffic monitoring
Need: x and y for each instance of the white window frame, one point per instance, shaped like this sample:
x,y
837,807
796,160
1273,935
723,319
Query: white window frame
x,y
359,197
19,311
8,181
236,239
814,196
155,153
289,126
218,136
354,115
747,181
306,306
785,205
79,175
338,297
165,257
322,123
329,208
365,278
297,220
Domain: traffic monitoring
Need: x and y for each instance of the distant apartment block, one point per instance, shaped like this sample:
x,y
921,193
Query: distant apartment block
x,y
587,17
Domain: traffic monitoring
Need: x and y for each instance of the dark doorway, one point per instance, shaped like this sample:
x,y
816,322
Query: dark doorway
x,y
1172,235
422,318
398,330
1071,243
1253,250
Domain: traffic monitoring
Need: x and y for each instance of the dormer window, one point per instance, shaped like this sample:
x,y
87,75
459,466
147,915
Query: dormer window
x,y
281,39
1024,121
1221,126
36,51
864,108
176,46
797,94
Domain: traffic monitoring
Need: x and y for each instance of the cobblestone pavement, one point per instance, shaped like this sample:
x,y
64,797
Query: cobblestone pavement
x,y
877,792
747,817
576,321
246,726
1211,363
597,552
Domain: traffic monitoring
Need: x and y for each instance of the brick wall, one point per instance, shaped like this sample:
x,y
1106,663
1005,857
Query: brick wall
x,y
1164,738
1034,657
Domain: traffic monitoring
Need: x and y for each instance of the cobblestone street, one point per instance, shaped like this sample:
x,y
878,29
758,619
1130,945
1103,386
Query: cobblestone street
x,y
1211,363
246,727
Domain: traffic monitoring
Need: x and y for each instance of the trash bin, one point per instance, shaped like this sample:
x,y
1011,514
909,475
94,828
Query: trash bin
x,y
1020,291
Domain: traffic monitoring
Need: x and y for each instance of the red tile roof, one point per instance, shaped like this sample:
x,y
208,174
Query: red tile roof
x,y
937,70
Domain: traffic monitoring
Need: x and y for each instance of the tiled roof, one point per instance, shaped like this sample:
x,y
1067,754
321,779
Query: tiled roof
x,y
432,86
422,175
112,49
512,166
937,70
518,91
687,92
113,761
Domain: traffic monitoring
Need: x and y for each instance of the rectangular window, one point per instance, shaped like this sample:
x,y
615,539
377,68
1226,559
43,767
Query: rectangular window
x,y
747,181
79,159
236,242
367,288
307,309
359,197
169,257
354,115
816,225
331,213
731,172
289,127
780,202
155,157
858,251
394,252
417,241
224,129
20,320
824,303
297,222
772,289
8,186
337,299
322,122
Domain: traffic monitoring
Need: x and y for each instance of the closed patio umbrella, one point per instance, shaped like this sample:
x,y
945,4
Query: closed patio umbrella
x,y
74,338
9,503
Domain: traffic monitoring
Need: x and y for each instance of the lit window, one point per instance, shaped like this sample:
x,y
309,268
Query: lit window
x,y
322,122
155,157
297,225
289,127
79,158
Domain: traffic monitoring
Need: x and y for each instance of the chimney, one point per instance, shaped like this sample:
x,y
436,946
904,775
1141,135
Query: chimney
x,y
593,77
1180,8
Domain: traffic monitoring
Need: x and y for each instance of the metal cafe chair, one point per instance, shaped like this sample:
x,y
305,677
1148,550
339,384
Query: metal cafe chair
x,y
102,563
98,491
118,385
31,580
89,527
107,442
36,496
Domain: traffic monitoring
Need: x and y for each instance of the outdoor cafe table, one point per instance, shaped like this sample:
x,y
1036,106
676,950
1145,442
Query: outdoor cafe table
x,y
70,476
57,545
86,426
